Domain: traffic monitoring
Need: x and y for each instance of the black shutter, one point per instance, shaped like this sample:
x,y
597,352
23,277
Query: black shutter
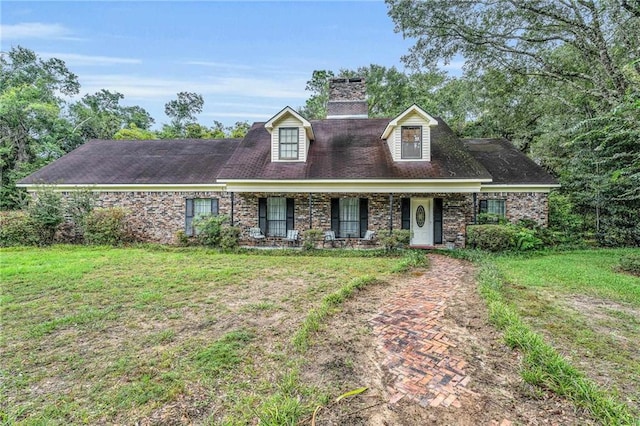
x,y
484,206
214,207
405,213
364,216
262,215
290,214
437,221
188,217
335,216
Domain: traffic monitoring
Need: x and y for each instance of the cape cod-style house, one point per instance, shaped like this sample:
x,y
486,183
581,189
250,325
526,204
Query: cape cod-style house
x,y
348,173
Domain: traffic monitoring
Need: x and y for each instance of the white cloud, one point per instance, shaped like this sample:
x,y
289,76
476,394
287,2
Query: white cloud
x,y
140,87
73,59
29,30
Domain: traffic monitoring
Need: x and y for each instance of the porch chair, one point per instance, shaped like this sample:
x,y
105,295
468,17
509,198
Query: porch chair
x,y
329,237
369,237
292,237
257,235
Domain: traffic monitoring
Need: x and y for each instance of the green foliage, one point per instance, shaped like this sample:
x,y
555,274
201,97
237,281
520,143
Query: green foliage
x,y
411,259
630,263
491,219
229,237
491,237
133,132
17,229
79,205
311,237
526,239
398,239
209,229
47,213
223,354
107,226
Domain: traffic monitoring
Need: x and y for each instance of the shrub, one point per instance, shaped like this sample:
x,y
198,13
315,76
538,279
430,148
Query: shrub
x,y
79,205
229,237
527,239
106,227
209,229
630,264
491,237
398,239
491,219
46,213
310,238
17,229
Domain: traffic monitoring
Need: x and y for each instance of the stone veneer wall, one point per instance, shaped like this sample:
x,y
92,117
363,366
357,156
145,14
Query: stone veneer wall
x,y
522,205
457,212
158,216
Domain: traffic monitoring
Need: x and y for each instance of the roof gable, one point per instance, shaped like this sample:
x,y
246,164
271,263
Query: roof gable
x,y
289,112
413,109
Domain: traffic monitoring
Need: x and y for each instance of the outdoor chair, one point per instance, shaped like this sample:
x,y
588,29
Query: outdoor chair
x,y
257,235
292,237
329,237
369,237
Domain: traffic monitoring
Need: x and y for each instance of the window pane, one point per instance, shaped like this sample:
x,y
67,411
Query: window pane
x,y
289,143
496,207
411,141
349,217
276,216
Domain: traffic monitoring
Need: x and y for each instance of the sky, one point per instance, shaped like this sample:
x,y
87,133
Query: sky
x,y
247,59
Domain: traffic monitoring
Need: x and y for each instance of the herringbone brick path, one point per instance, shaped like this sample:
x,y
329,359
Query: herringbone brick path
x,y
417,353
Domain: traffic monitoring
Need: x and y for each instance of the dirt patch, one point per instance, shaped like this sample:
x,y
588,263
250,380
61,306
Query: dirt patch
x,y
345,357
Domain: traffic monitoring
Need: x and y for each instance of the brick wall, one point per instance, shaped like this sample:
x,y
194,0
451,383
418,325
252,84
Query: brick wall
x,y
158,216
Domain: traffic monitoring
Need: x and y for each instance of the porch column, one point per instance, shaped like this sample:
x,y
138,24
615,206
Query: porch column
x,y
232,209
475,208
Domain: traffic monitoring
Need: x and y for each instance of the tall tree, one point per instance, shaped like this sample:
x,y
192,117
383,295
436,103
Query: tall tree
x,y
183,110
32,129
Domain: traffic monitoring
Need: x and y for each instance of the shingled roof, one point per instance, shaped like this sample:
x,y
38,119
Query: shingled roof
x,y
352,149
184,161
507,164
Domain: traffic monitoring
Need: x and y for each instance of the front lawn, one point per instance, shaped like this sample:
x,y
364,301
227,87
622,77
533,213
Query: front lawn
x,y
101,335
586,308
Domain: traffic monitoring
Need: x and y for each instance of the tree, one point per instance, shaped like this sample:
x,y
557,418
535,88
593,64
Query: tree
x,y
183,110
100,115
316,106
32,129
134,133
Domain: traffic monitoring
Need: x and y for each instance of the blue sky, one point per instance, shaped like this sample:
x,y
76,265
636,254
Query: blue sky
x,y
247,59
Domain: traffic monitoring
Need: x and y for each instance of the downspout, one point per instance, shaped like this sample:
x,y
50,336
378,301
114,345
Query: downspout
x,y
232,208
475,208
390,213
310,211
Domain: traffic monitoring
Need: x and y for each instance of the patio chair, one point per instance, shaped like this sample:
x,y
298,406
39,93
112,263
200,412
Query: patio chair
x,y
369,237
329,237
256,235
292,237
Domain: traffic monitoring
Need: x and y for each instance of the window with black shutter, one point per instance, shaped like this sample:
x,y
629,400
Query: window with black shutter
x,y
437,221
196,208
405,213
349,217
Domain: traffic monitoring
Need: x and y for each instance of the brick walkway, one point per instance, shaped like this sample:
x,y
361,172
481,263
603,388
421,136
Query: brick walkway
x,y
417,352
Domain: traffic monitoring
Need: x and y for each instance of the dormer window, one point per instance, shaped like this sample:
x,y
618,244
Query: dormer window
x,y
411,140
288,143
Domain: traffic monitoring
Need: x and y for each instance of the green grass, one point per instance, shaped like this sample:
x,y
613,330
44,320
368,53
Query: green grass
x,y
97,334
577,321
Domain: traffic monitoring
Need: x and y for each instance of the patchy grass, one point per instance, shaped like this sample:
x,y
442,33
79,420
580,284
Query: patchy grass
x,y
103,335
587,311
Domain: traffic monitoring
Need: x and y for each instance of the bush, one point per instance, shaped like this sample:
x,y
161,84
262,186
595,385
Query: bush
x,y
209,229
310,238
491,219
107,227
79,205
46,213
398,239
527,239
630,264
229,237
491,237
17,229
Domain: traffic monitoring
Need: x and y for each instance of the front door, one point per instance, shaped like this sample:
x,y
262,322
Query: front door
x,y
422,221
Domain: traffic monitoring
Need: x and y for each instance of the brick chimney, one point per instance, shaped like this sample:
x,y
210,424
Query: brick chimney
x,y
347,98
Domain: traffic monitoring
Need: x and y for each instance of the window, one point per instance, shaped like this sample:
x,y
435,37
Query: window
x,y
411,142
276,215
349,217
289,143
493,208
197,208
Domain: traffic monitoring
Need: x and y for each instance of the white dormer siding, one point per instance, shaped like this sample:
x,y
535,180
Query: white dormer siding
x,y
288,120
416,121
303,141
